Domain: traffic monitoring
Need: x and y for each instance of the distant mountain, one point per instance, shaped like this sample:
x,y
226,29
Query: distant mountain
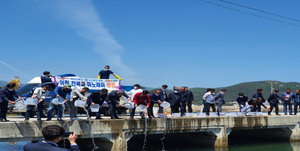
x,y
3,83
248,88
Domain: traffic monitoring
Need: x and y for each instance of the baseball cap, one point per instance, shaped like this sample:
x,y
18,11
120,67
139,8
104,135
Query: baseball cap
x,y
68,86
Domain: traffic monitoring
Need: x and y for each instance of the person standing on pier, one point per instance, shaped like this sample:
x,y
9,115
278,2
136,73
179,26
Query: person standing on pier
x,y
112,99
219,99
273,101
210,101
204,102
136,89
141,98
184,100
76,94
174,99
190,99
287,100
97,97
104,74
241,100
155,97
163,92
52,135
7,95
59,92
256,95
40,94
296,101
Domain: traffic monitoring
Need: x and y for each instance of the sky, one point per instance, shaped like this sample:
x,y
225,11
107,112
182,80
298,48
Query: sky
x,y
194,43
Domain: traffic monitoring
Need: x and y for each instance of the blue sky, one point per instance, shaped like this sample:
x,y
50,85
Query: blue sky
x,y
175,42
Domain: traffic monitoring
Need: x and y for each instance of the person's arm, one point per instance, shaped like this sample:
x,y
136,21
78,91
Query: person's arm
x,y
125,95
264,106
56,92
99,75
192,96
72,138
161,98
148,101
3,96
205,96
135,100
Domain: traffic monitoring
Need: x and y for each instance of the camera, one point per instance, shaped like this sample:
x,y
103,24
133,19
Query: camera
x,y
67,134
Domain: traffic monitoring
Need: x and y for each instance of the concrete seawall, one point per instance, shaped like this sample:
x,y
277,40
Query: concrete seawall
x,y
118,132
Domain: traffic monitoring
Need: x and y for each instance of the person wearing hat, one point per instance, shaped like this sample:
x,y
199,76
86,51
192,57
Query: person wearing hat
x,y
63,92
273,101
104,74
219,99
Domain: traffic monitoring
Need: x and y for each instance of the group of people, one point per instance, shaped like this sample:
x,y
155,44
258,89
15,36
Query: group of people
x,y
287,98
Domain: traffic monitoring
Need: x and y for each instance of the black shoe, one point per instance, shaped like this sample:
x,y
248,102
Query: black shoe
x,y
39,119
59,119
2,120
5,120
48,119
98,118
143,117
291,114
116,118
26,119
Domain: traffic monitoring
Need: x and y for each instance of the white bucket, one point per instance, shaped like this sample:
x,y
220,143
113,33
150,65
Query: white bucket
x,y
141,108
161,115
94,107
129,105
31,101
165,104
58,101
21,106
176,114
155,110
188,114
246,108
80,103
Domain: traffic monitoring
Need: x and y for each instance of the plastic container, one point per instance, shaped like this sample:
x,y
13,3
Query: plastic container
x,y
129,105
58,101
21,106
95,107
165,104
246,108
141,108
31,101
176,114
80,103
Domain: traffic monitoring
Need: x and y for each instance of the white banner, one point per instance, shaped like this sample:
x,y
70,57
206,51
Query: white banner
x,y
93,84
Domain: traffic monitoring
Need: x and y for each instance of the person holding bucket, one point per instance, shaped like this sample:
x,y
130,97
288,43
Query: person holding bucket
x,y
96,97
112,99
39,94
76,94
140,99
63,95
155,97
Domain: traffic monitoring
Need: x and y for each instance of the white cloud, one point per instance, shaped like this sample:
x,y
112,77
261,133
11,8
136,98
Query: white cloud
x,y
83,18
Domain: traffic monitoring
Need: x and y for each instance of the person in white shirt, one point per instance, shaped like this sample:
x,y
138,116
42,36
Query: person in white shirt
x,y
39,94
131,93
76,94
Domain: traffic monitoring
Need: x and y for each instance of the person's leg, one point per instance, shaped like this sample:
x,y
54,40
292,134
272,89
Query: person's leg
x,y
69,105
160,109
258,108
28,112
271,108
213,106
39,110
190,109
150,109
1,111
285,107
207,105
50,111
177,106
290,108
60,112
132,112
182,109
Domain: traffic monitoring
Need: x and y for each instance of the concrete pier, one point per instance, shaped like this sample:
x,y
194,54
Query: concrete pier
x,y
117,133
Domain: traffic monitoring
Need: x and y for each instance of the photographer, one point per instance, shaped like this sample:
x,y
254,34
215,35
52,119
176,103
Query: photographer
x,y
52,135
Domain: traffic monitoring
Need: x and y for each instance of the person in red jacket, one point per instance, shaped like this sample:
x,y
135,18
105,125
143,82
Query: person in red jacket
x,y
140,98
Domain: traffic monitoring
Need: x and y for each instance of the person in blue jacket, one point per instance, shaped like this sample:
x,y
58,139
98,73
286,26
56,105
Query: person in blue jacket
x,y
155,97
287,101
7,95
63,92
52,135
104,74
296,101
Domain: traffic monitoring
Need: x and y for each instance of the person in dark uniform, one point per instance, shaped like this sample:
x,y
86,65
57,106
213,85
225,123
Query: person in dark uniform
x,y
190,99
174,99
7,95
241,100
104,74
52,135
97,97
273,101
47,78
258,94
155,97
255,103
112,99
163,92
